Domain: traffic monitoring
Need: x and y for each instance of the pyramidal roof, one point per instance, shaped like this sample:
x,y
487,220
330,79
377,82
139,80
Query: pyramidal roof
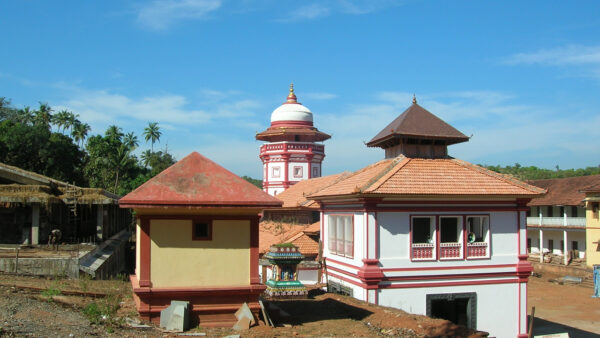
x,y
417,122
197,181
409,177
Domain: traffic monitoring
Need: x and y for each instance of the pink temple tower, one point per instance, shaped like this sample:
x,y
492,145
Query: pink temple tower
x,y
291,153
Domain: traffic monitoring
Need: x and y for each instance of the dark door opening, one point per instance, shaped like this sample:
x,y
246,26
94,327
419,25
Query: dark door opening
x,y
459,308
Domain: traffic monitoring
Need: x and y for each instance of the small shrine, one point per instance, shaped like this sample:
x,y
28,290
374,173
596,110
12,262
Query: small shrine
x,y
284,283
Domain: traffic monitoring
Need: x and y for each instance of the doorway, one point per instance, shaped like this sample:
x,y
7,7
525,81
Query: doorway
x,y
459,308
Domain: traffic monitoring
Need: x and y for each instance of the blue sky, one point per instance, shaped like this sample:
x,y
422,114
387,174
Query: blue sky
x,y
522,77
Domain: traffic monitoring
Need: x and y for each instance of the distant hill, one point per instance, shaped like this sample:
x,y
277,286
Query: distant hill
x,y
535,173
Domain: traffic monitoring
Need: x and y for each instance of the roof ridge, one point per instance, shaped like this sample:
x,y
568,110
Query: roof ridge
x,y
385,175
343,175
505,178
374,179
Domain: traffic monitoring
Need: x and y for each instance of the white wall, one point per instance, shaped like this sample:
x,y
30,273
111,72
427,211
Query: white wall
x,y
489,304
304,167
270,167
394,239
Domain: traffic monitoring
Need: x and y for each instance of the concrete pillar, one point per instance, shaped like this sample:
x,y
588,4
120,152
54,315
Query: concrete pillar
x,y
565,216
541,245
99,223
35,223
540,216
565,253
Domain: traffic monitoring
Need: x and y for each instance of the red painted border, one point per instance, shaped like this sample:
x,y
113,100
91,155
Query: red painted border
x,y
457,267
343,264
144,273
254,234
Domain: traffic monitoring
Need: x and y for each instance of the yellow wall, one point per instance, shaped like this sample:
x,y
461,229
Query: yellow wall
x,y
176,260
592,234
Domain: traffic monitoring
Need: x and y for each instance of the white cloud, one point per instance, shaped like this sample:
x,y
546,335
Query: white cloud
x,y
568,55
326,7
160,14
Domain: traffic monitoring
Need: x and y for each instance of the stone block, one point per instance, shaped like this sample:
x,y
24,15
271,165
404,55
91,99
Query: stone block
x,y
176,316
244,311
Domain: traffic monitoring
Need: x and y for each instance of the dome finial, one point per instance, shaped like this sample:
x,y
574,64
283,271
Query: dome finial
x,y
291,97
414,99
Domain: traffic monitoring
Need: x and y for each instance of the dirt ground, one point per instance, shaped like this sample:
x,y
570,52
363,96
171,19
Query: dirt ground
x,y
563,308
32,306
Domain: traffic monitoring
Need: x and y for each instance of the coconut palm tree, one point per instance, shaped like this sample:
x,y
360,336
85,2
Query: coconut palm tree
x,y
61,120
131,141
43,116
152,133
80,131
72,121
114,132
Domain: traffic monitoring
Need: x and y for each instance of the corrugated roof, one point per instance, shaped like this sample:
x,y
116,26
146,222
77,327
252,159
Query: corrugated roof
x,y
197,181
417,122
565,191
295,196
435,177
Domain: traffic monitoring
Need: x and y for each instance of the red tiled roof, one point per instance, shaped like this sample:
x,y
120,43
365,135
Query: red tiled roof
x,y
565,191
417,122
197,181
277,232
295,196
433,177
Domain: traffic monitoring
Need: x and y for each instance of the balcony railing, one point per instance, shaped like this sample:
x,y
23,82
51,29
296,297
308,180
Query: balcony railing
x,y
477,250
557,221
422,251
450,250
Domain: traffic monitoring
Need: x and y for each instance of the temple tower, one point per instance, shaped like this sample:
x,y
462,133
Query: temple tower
x,y
291,153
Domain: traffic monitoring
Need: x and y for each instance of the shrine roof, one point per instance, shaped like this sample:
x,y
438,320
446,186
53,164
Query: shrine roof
x,y
417,122
565,191
273,133
404,176
197,181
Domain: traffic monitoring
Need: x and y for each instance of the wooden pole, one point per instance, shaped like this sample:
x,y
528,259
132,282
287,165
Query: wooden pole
x,y
17,262
529,335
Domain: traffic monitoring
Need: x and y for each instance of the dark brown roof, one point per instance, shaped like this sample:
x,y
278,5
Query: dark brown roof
x,y
417,122
197,181
564,191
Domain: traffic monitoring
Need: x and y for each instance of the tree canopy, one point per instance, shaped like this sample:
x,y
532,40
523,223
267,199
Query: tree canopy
x,y
27,141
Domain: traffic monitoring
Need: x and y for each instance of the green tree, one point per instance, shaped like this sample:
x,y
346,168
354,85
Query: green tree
x,y
80,132
43,116
152,133
131,141
61,120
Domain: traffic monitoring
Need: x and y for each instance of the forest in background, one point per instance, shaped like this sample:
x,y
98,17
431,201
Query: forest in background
x,y
57,145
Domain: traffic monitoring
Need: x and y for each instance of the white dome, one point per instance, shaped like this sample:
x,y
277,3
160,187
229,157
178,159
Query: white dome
x,y
292,112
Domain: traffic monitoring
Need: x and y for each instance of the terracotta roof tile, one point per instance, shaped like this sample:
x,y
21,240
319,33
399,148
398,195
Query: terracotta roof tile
x,y
418,176
565,191
197,181
295,196
277,232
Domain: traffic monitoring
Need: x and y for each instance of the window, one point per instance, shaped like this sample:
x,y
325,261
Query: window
x,y
561,211
551,245
202,231
529,245
574,245
298,172
550,211
478,237
275,172
573,211
423,238
341,235
315,172
450,237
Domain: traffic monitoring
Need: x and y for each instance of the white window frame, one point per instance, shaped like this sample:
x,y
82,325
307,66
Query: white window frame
x,y
276,172
345,240
485,242
415,248
459,245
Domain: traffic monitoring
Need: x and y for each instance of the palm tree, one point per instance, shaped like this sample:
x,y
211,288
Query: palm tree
x,y
80,131
119,160
114,132
152,133
131,141
72,121
61,120
43,115
26,116
146,157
